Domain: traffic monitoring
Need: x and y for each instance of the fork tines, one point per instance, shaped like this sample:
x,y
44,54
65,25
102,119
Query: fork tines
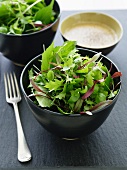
x,y
11,86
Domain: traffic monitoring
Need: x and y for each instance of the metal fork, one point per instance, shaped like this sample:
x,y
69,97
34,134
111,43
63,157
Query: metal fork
x,y
13,96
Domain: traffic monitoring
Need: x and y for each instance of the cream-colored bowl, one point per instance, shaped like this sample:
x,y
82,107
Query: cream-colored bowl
x,y
92,30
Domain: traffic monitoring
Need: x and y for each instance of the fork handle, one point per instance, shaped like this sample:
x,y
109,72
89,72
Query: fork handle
x,y
24,153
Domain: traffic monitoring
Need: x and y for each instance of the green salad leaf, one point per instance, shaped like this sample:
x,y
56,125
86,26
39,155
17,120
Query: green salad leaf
x,y
70,82
45,14
25,16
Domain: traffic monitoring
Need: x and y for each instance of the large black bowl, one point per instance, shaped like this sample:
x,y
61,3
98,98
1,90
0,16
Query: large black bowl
x,y
21,49
68,126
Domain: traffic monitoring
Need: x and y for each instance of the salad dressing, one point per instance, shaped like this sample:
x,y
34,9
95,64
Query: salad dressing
x,y
91,34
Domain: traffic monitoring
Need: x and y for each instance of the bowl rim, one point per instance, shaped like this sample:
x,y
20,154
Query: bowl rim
x,y
37,32
71,115
97,13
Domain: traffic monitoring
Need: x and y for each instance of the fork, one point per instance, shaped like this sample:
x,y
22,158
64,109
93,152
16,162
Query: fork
x,y
13,96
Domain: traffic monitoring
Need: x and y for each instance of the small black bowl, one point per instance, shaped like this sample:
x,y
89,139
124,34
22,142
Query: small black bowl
x,y
21,49
68,126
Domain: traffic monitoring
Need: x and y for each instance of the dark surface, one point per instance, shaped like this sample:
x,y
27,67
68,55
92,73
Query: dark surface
x,y
107,146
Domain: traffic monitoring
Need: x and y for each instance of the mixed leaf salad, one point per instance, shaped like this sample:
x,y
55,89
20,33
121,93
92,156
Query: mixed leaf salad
x,y
70,82
25,16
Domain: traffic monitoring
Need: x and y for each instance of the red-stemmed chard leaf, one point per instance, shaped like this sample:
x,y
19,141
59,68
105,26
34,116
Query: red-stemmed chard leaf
x,y
40,94
96,107
117,85
90,91
101,80
87,113
39,25
110,68
100,105
93,59
116,74
38,89
35,86
75,76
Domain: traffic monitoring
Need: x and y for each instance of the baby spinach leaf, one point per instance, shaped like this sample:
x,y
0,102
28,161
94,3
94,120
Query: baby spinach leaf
x,y
47,57
75,95
64,50
61,95
44,101
50,75
89,79
100,97
78,105
5,9
68,64
45,14
3,29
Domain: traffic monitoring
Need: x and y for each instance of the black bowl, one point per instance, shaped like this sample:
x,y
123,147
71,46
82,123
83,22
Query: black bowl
x,y
21,49
100,32
68,126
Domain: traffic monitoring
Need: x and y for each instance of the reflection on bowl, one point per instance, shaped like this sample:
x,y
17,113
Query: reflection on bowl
x,y
74,125
21,49
92,30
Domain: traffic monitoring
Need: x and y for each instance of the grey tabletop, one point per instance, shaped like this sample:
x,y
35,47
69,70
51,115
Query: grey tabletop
x,y
107,146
